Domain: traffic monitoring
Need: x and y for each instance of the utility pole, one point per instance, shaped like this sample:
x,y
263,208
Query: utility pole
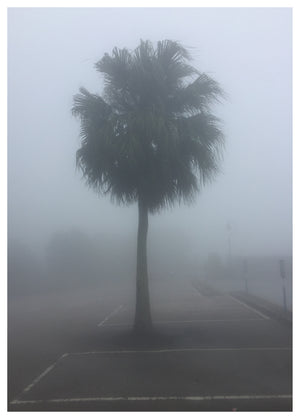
x,y
245,270
283,277
229,243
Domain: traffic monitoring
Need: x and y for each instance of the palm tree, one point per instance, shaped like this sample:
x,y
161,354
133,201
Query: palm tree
x,y
150,138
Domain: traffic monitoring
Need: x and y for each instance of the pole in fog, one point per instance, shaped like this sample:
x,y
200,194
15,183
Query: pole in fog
x,y
245,271
283,277
229,243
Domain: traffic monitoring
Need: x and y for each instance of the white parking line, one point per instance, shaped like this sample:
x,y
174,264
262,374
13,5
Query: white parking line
x,y
207,349
110,315
250,308
243,304
188,321
36,380
210,349
158,398
47,370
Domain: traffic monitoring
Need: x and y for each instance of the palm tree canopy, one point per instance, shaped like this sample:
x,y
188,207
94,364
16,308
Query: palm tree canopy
x,y
151,136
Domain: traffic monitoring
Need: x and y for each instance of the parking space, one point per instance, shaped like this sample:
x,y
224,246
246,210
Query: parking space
x,y
207,353
163,373
191,307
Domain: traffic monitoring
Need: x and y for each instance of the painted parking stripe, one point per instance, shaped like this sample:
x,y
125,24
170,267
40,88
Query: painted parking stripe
x,y
250,308
189,321
47,370
207,349
115,311
243,304
37,379
158,398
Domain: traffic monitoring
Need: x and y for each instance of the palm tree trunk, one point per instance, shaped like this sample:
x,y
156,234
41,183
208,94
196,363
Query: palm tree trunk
x,y
143,322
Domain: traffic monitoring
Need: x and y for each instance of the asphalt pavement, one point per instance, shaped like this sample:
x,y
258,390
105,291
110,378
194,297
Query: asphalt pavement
x,y
209,351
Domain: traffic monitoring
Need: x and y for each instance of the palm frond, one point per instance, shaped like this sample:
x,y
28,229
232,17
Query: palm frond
x,y
152,135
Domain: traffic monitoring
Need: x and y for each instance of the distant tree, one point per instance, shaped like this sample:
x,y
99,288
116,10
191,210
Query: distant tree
x,y
150,138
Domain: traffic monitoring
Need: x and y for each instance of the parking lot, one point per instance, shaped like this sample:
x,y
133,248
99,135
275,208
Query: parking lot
x,y
209,353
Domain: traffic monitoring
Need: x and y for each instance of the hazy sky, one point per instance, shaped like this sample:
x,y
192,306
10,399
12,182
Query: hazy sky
x,y
51,53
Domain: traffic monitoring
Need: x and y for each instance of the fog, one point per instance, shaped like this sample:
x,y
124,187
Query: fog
x,y
220,269
59,231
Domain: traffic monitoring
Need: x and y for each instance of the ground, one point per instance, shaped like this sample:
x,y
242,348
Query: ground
x,y
210,351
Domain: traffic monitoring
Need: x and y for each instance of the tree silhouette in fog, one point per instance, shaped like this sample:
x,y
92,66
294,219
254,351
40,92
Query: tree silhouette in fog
x,y
150,138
